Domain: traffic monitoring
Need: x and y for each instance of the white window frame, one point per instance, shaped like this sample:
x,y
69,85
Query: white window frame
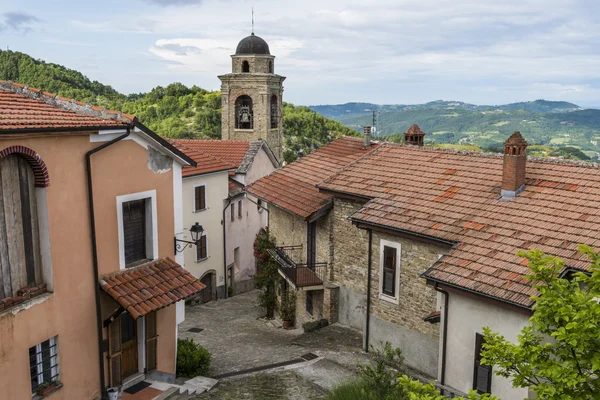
x,y
147,195
54,369
199,260
392,299
205,197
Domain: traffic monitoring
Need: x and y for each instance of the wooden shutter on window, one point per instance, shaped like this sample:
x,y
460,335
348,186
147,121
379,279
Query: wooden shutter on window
x,y
240,209
311,244
114,353
200,196
151,341
232,211
482,379
134,230
201,251
389,270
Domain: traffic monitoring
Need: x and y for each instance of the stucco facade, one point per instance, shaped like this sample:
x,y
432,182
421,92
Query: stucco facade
x,y
216,189
68,312
466,317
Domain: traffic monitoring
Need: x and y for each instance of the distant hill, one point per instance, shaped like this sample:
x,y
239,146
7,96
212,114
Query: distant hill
x,y
341,111
173,111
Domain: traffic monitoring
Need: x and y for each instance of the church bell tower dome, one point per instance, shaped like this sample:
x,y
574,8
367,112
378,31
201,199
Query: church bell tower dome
x,y
252,45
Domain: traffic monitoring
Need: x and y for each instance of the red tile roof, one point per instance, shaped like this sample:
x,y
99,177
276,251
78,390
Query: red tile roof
x,y
230,151
455,197
151,286
205,163
293,188
23,108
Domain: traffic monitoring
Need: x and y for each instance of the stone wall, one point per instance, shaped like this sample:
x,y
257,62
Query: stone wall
x,y
401,324
257,63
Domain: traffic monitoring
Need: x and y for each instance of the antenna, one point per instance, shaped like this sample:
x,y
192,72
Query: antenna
x,y
253,20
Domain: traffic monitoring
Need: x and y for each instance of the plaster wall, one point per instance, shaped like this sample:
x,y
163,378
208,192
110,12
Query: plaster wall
x,y
216,191
466,317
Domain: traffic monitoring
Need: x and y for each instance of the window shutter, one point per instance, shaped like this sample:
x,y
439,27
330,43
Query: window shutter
x,y
151,341
200,197
482,380
134,230
203,246
232,211
114,352
240,209
389,270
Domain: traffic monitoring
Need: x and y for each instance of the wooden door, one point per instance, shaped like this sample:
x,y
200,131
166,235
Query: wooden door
x,y
129,354
114,353
151,339
207,292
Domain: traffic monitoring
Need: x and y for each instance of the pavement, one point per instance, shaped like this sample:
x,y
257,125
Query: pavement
x,y
239,340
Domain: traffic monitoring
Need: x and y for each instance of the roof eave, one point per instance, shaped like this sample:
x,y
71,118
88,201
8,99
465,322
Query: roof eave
x,y
186,160
404,231
67,129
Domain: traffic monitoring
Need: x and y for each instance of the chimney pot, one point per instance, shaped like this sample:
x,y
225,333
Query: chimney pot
x,y
514,166
414,136
367,132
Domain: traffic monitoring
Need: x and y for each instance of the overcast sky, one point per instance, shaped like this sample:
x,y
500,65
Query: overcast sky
x,y
332,51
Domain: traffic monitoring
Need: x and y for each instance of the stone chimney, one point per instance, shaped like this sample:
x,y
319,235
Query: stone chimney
x,y
367,131
414,136
513,169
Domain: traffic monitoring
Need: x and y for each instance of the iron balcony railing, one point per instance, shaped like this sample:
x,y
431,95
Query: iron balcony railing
x,y
299,274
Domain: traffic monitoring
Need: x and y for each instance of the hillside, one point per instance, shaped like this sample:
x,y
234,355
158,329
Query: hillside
x,y
341,111
174,111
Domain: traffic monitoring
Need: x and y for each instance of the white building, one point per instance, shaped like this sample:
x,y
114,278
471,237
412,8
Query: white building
x,y
214,197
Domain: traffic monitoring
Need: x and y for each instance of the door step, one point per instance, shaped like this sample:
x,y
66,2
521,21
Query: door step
x,y
132,380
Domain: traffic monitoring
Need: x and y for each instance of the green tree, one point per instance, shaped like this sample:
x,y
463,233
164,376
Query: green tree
x,y
558,354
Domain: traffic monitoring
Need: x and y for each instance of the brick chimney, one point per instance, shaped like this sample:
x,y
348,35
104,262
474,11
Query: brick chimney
x,y
367,131
414,136
513,169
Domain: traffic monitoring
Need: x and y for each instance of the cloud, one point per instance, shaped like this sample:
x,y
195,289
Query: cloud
x,y
176,49
173,2
19,22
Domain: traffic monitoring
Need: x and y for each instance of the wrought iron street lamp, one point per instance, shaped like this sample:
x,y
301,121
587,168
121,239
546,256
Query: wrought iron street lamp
x,y
196,232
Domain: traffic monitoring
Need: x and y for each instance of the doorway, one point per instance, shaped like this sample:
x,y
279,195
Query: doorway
x,y
208,290
129,348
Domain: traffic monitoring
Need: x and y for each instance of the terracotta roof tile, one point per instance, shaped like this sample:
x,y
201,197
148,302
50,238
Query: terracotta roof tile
x,y
466,209
150,286
205,162
293,187
229,151
23,108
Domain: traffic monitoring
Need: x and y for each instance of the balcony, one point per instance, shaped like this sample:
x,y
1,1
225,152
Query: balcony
x,y
301,275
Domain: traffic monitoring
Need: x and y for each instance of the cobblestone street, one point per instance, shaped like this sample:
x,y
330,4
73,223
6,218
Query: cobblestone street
x,y
239,340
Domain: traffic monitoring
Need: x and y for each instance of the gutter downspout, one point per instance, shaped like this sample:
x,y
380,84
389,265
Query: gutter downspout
x,y
369,267
88,161
225,247
445,335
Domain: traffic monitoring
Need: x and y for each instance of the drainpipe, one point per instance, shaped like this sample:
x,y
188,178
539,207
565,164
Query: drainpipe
x,y
88,161
225,247
445,335
369,265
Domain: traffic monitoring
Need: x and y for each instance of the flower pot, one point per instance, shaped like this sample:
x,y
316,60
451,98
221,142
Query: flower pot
x,y
46,390
288,324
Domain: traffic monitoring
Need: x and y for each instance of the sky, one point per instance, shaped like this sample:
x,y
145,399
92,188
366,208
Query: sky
x,y
331,51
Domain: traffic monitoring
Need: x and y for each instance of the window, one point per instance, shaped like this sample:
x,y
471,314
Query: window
x,y
274,113
309,302
137,221
245,66
259,205
240,209
43,363
201,249
200,198
270,67
243,111
311,244
19,229
232,211
389,271
482,374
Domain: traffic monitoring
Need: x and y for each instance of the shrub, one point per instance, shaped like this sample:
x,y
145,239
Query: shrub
x,y
192,359
287,308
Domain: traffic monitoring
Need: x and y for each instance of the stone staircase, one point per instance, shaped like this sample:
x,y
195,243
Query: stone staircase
x,y
189,389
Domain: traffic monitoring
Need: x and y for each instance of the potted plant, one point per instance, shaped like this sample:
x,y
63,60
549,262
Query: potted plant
x,y
287,309
46,387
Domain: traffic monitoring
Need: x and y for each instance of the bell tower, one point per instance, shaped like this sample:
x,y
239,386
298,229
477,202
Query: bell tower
x,y
251,96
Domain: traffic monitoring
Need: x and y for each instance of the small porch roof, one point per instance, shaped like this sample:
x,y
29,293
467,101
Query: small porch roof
x,y
150,286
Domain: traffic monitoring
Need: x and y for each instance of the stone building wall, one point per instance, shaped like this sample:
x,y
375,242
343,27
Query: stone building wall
x,y
257,63
401,324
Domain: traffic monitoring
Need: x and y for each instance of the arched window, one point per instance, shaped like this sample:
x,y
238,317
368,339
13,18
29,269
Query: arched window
x,y
274,112
270,67
21,171
244,118
245,66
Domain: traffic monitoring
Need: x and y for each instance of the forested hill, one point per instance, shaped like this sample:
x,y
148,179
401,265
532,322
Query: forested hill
x,y
174,111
